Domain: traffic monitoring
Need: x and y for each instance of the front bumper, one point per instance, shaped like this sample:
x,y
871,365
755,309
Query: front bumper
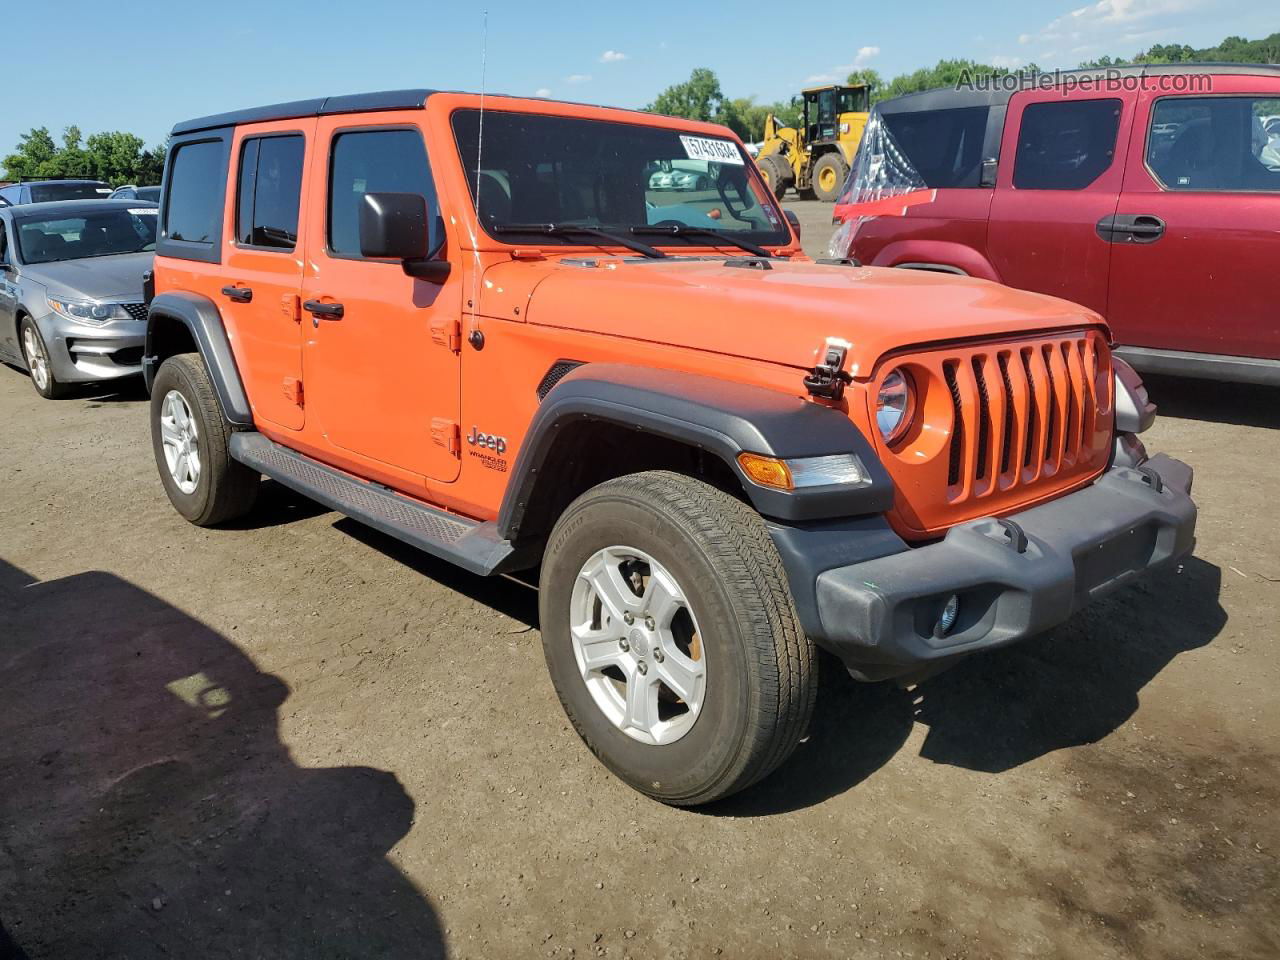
x,y
881,616
81,352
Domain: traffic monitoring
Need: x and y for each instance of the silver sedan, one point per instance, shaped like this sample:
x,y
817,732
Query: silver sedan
x,y
71,299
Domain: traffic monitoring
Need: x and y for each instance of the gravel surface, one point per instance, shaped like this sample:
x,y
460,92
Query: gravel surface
x,y
296,738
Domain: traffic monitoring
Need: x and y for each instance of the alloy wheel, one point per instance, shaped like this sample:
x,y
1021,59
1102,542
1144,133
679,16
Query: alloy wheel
x,y
181,440
37,359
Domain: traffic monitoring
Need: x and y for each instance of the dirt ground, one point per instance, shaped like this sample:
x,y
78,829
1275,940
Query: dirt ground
x,y
295,738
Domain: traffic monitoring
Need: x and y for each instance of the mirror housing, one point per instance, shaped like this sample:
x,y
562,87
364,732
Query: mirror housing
x,y
793,220
396,226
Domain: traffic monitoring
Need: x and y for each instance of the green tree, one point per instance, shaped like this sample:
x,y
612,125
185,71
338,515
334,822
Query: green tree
x,y
1230,50
115,156
946,73
72,160
34,156
868,77
698,98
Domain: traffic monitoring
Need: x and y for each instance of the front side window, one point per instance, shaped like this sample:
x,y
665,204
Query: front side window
x,y
268,191
103,233
1066,144
374,161
536,169
1216,144
194,207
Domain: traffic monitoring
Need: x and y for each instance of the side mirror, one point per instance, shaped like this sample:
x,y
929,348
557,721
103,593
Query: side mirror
x,y
793,220
395,226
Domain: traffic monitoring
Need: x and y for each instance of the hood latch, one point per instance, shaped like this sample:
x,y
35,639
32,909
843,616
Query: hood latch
x,y
828,379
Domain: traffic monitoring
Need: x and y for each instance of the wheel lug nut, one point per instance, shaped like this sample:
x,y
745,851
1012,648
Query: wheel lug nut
x,y
658,656
642,667
623,644
648,622
629,618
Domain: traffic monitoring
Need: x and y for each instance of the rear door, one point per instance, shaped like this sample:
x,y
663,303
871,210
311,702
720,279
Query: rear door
x,y
263,266
1062,163
1203,184
8,296
383,374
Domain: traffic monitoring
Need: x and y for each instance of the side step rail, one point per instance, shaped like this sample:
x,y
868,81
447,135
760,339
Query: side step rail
x,y
472,545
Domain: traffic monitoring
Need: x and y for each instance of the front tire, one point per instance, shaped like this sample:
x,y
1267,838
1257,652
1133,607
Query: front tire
x,y
671,637
191,439
39,364
777,174
829,174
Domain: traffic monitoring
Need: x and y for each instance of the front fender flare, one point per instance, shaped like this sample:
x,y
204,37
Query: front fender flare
x,y
718,416
201,318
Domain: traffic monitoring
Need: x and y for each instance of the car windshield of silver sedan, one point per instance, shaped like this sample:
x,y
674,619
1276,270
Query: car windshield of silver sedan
x,y
575,181
103,233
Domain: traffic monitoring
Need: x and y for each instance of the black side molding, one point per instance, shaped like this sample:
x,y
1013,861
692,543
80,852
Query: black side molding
x,y
719,416
201,317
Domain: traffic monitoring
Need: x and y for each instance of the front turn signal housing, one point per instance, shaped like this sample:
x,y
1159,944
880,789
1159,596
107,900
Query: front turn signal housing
x,y
767,471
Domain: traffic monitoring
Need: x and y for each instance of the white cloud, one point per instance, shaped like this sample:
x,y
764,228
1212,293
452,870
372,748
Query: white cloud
x,y
576,78
837,73
613,56
1105,23
542,92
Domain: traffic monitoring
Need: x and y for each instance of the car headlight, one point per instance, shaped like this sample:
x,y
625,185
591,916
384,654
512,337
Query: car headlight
x,y
894,405
88,311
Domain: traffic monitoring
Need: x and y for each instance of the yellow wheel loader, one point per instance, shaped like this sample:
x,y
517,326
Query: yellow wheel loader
x,y
815,158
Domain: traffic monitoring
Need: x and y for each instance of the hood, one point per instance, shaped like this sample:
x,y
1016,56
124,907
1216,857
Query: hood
x,y
781,315
94,278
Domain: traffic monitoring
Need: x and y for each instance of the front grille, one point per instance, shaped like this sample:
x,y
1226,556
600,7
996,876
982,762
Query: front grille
x,y
136,310
1003,425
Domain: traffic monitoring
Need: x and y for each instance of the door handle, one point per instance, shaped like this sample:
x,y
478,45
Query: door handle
x,y
1131,228
238,294
318,308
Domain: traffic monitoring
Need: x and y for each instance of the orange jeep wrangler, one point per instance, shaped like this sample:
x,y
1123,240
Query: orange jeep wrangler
x,y
525,335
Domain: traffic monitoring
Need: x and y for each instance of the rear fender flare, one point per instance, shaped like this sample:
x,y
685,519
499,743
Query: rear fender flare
x,y
940,255
204,323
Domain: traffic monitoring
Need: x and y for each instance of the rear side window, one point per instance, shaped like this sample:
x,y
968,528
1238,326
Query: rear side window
x,y
1066,144
944,146
267,194
194,207
1216,144
373,161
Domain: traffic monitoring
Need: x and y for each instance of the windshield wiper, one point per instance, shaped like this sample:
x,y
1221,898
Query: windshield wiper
x,y
569,229
684,230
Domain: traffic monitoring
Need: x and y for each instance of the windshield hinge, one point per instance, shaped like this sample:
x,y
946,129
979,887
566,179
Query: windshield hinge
x,y
828,378
447,332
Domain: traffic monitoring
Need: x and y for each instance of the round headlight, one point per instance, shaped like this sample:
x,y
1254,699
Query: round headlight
x,y
893,406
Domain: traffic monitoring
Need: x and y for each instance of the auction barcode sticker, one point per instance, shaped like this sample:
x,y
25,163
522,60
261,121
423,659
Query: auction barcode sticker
x,y
717,151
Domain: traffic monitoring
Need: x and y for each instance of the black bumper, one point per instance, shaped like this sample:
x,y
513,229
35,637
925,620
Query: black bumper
x,y
881,616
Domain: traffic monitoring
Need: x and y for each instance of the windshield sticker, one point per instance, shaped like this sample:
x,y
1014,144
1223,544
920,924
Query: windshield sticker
x,y
143,211
716,151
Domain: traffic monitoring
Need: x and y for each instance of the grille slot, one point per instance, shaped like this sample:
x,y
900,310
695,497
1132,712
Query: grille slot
x,y
957,428
984,420
1006,444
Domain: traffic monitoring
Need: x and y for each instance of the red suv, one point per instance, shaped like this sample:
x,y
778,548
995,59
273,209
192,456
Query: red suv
x,y
1149,194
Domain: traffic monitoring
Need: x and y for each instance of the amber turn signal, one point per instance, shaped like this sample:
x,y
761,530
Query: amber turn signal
x,y
766,471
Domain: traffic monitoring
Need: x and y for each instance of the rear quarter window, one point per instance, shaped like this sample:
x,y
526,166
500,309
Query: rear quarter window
x,y
192,218
944,146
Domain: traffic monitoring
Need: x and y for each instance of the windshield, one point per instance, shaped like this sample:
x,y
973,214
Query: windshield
x,y
46,192
102,233
539,169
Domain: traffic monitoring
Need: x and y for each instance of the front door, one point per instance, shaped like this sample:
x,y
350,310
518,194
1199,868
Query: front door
x,y
1203,179
8,297
263,267
381,357
1067,164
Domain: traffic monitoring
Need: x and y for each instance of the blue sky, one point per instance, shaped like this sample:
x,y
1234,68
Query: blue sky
x,y
141,66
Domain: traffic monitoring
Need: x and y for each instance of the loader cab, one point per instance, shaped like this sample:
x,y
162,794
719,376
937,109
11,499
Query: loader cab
x,y
824,107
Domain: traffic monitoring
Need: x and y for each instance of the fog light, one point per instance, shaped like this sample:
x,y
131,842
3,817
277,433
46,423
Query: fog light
x,y
948,619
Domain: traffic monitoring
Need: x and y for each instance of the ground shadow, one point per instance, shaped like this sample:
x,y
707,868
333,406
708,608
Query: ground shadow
x,y
1244,404
276,506
1075,685
149,809
996,711
124,390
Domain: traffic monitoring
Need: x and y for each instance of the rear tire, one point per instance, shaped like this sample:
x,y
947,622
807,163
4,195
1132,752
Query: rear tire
x,y
829,174
190,438
669,535
39,366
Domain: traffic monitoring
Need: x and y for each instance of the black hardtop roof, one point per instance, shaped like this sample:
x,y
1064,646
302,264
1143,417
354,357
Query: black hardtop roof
x,y
71,208
947,98
316,107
